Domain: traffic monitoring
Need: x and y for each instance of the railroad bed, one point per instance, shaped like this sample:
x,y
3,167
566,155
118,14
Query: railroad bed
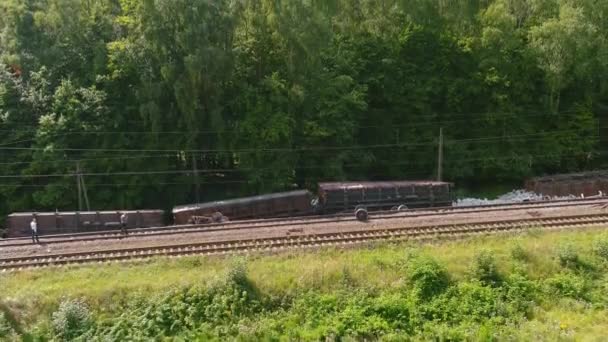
x,y
304,241
306,233
279,222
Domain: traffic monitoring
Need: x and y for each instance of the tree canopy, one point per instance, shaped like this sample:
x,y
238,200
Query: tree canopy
x,y
148,98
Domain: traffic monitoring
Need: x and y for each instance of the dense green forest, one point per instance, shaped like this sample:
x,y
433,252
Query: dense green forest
x,y
267,95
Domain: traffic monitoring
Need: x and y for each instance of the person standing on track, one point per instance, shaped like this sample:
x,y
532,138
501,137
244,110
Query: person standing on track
x,y
123,224
34,227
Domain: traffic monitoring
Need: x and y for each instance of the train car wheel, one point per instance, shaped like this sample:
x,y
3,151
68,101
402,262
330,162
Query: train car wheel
x,y
361,214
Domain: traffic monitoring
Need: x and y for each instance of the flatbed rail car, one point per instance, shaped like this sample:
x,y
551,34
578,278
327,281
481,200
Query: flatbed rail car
x,y
282,204
347,196
18,224
571,184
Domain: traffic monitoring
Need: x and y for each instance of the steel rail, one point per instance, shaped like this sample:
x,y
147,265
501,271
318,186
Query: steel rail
x,y
301,240
272,223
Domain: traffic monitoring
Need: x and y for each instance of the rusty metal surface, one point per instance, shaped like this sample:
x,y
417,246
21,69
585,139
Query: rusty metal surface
x,y
575,184
263,206
18,224
242,200
344,196
330,186
571,176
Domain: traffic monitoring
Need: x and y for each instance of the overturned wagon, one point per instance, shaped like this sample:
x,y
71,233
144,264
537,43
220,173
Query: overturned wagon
x,y
291,203
18,224
572,184
363,196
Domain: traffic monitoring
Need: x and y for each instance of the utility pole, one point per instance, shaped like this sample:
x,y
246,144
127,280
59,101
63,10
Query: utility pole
x,y
82,189
440,155
78,185
196,180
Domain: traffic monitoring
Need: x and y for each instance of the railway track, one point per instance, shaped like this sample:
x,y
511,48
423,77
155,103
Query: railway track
x,y
355,236
282,222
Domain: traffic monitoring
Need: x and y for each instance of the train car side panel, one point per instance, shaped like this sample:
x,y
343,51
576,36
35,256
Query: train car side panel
x,y
573,184
18,224
264,206
344,196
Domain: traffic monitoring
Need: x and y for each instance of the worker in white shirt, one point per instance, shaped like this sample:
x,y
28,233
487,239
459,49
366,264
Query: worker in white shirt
x,y
123,223
34,227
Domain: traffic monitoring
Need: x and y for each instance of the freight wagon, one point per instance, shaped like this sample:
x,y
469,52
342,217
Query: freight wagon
x,y
18,224
291,203
364,196
585,183
334,197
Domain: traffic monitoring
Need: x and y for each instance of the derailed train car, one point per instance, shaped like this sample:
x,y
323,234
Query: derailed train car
x,y
588,184
18,224
332,198
282,204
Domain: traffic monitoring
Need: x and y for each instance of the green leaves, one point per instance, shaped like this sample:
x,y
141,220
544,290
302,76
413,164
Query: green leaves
x,y
284,94
71,320
565,47
427,277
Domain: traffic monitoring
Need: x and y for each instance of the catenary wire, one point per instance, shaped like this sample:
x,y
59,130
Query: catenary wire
x,y
237,170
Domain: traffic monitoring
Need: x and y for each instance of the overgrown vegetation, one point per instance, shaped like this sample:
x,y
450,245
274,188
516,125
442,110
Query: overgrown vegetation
x,y
6,330
265,95
71,320
468,290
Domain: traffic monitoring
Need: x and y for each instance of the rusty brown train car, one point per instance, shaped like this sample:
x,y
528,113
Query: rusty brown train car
x,y
572,184
333,197
344,196
291,203
18,224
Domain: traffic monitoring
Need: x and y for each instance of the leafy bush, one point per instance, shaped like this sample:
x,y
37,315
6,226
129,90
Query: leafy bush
x,y
218,307
394,308
567,284
484,268
237,273
316,316
472,301
520,293
71,320
519,253
600,247
6,329
426,276
567,255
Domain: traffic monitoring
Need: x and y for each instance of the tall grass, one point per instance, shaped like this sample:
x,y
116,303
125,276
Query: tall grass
x,y
544,286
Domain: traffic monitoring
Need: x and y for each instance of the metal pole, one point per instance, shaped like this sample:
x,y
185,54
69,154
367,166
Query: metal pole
x,y
78,184
196,181
440,155
84,190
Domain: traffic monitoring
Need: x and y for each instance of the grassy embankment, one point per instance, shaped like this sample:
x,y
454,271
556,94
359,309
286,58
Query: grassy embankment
x,y
536,286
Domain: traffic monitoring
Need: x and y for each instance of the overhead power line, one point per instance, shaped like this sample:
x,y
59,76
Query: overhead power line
x,y
525,157
95,159
528,112
299,149
203,132
486,116
117,184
